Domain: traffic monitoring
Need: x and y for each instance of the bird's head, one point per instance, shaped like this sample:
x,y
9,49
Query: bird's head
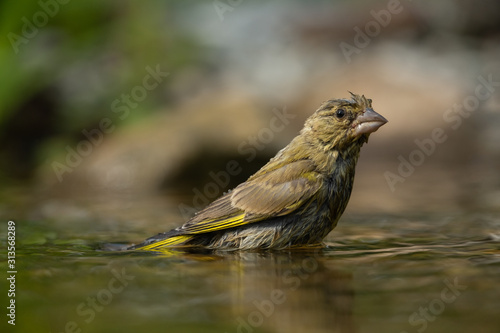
x,y
340,123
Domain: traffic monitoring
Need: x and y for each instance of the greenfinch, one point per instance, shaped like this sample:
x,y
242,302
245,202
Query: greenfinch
x,y
295,199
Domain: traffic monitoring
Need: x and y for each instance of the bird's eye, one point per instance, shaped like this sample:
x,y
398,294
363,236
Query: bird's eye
x,y
340,113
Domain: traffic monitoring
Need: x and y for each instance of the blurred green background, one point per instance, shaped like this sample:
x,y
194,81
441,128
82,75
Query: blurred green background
x,y
223,68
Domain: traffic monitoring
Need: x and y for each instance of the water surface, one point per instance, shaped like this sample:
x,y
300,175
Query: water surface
x,y
434,273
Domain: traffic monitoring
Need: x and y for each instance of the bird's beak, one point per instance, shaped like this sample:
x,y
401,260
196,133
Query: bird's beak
x,y
368,122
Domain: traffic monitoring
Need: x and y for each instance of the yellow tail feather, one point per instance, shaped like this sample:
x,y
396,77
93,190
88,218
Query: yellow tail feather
x,y
172,241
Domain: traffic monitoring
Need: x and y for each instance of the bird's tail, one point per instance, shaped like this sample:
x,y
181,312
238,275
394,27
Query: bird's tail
x,y
157,243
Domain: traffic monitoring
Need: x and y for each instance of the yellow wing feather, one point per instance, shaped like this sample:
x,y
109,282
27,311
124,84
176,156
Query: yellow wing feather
x,y
217,224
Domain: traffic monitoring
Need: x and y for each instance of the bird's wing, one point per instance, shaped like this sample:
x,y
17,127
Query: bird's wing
x,y
274,193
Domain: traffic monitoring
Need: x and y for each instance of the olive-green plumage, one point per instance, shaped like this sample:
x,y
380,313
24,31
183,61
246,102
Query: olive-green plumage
x,y
295,199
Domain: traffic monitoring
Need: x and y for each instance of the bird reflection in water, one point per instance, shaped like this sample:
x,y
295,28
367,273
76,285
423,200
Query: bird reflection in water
x,y
293,291
282,291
